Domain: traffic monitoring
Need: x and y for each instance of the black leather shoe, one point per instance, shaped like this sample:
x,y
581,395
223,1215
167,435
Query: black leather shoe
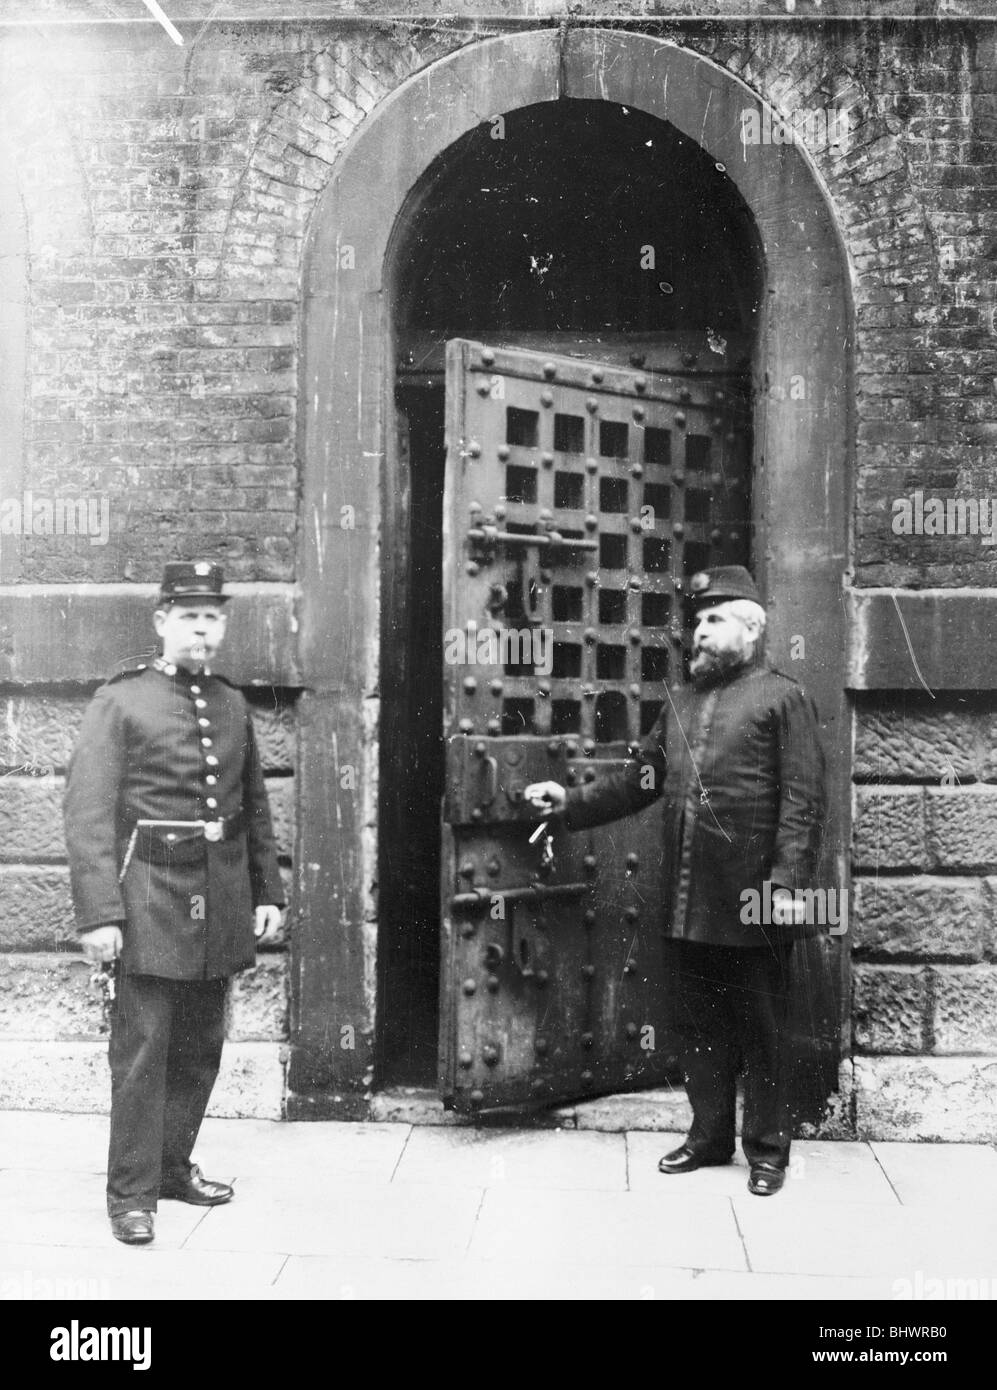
x,y
686,1160
197,1190
133,1227
765,1179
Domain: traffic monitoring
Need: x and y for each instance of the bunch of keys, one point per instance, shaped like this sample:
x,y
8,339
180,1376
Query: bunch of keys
x,y
547,850
105,978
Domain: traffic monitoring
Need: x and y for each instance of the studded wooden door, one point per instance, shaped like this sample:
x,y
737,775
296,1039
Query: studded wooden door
x,y
578,497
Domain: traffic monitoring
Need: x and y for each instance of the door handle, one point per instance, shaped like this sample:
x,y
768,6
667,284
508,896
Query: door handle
x,y
491,779
480,898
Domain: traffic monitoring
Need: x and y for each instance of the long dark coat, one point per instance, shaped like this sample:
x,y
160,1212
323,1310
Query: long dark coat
x,y
741,769
157,744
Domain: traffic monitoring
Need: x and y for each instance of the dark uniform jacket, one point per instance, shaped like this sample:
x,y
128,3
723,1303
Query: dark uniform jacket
x,y
158,744
741,770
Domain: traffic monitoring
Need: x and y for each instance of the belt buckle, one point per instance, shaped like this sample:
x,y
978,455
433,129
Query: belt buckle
x,y
214,830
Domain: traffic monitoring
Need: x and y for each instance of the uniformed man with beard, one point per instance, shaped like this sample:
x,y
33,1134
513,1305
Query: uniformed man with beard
x,y
174,874
737,757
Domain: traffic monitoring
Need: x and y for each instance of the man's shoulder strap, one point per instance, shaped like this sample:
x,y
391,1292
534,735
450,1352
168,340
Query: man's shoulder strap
x,y
126,675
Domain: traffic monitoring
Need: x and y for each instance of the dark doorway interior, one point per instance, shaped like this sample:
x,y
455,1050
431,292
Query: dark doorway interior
x,y
587,228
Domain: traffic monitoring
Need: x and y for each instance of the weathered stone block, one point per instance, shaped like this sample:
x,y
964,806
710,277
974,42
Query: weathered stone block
x,y
275,737
664,1110
74,1077
988,755
280,790
889,828
898,745
41,1075
258,1002
962,826
36,911
31,819
890,1008
928,1098
49,996
934,918
990,937
39,731
250,1084
965,1011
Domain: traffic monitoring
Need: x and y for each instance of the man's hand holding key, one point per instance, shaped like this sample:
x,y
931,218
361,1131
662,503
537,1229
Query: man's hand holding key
x,y
547,797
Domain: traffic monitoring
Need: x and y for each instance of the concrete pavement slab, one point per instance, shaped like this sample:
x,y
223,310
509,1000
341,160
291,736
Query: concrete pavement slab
x,y
393,1222
608,1227
37,1139
267,1148
30,1272
940,1174
819,1171
40,1207
868,1239
303,1277
515,1158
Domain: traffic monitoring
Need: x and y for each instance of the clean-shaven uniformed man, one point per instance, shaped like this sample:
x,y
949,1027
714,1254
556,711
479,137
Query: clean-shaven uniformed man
x,y
737,756
174,874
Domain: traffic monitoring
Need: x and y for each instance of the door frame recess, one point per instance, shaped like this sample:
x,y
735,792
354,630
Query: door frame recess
x,y
802,470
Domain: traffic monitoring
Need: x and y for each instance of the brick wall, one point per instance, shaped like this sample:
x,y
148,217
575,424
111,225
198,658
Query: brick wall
x,y
166,197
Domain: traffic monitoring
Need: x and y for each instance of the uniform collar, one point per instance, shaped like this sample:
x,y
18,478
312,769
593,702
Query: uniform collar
x,y
180,673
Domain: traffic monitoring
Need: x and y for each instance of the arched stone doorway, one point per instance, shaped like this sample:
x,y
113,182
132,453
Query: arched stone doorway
x,y
574,227
354,465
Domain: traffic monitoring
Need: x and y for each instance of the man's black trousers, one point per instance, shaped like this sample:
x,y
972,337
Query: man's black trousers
x,y
729,1009
165,1049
